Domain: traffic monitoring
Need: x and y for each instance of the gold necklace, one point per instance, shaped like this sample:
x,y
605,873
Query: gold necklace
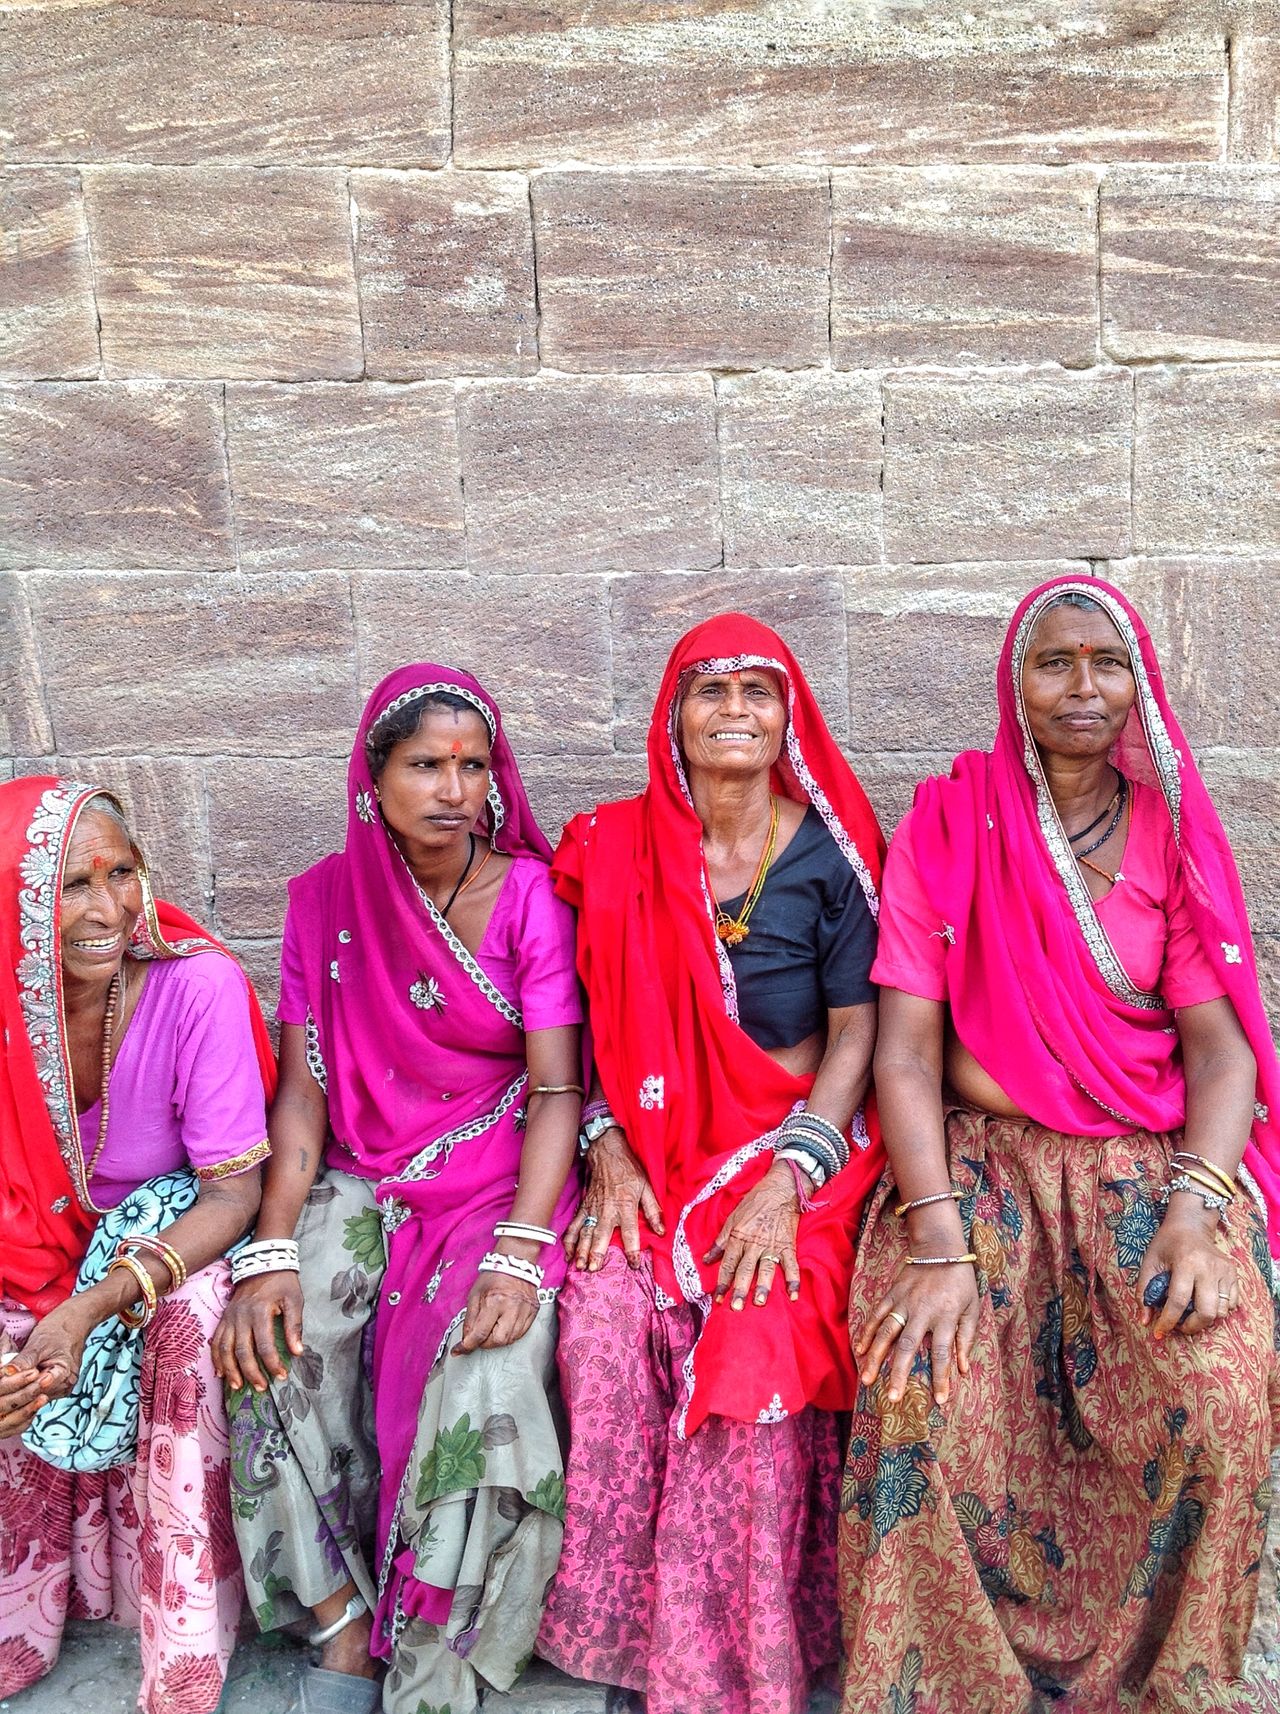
x,y
733,930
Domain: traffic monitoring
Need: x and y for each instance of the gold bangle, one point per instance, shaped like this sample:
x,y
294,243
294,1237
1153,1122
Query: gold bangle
x,y
162,1252
557,1089
149,1296
905,1208
1225,1182
1213,1185
939,1261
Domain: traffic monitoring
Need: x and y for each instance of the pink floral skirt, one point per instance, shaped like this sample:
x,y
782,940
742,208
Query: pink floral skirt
x,y
700,1572
147,1544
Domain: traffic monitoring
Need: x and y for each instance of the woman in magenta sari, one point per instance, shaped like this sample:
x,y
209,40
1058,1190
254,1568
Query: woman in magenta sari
x,y
1058,1475
424,1132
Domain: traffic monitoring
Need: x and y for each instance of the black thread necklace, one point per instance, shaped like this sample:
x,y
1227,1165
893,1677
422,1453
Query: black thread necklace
x,y
1121,798
466,870
1097,821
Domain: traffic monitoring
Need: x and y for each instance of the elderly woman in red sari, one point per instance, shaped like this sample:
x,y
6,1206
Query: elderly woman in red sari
x,y
398,1477
1057,1482
727,926
132,1125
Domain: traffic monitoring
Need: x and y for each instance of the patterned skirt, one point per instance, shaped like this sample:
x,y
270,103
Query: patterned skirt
x,y
146,1544
1080,1528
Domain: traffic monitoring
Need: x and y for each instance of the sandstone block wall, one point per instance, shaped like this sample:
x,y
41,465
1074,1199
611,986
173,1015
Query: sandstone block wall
x,y
332,336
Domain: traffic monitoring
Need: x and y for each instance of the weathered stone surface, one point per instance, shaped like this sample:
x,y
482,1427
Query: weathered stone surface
x,y
800,468
213,665
782,80
336,475
261,963
227,273
960,264
599,474
1206,468
1216,627
1191,262
562,786
110,475
682,270
1245,786
923,645
890,778
48,326
540,645
651,614
1254,129
209,80
164,799
24,721
251,802
1029,466
446,273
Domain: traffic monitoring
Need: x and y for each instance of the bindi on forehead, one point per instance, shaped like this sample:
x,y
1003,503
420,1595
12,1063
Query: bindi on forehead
x,y
455,749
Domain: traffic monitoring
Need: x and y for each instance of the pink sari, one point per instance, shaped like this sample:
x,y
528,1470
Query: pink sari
x,y
380,966
1073,1040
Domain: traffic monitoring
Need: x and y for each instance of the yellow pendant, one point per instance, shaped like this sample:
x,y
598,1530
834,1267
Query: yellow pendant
x,y
730,932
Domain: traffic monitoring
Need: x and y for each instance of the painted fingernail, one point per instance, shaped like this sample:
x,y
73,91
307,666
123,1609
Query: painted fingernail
x,y
737,1303
761,1298
794,1295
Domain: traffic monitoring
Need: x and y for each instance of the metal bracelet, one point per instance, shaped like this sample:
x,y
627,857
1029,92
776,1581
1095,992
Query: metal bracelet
x,y
516,1267
1215,1203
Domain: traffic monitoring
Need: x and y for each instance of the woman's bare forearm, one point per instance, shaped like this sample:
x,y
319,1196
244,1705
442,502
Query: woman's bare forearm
x,y
841,1080
908,1073
551,1131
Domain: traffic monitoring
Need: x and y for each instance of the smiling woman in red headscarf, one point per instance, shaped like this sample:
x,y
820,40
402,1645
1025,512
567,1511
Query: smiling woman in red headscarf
x,y
1080,1100
726,931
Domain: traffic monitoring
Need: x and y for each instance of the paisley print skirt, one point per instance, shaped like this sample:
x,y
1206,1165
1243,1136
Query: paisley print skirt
x,y
1079,1529
700,1572
147,1544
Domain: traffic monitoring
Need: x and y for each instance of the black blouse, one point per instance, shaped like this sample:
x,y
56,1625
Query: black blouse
x,y
811,945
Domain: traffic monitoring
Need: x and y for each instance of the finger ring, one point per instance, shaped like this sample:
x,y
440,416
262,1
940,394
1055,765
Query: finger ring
x,y
1223,1294
775,1259
896,1315
590,1220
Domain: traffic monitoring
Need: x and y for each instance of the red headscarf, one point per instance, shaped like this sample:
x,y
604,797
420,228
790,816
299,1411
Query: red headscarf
x,y
46,1215
1036,990
698,1099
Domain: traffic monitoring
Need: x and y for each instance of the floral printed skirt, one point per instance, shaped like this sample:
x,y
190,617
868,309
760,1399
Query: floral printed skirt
x,y
702,1571
146,1544
481,1510
1080,1528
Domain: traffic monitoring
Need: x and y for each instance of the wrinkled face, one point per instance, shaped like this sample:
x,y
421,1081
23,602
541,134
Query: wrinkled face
x,y
733,723
434,785
1077,683
101,898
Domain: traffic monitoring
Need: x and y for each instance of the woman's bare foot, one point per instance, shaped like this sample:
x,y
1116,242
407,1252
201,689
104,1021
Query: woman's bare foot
x,y
349,1651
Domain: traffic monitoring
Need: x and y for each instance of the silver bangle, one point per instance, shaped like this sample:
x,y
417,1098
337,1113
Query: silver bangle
x,y
514,1266
807,1163
1216,1204
529,1234
265,1256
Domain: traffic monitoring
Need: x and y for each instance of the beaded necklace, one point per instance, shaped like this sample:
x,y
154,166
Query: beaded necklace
x,y
733,930
104,1086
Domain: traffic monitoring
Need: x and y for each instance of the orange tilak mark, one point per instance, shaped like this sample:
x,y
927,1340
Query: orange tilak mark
x,y
97,863
1086,648
455,749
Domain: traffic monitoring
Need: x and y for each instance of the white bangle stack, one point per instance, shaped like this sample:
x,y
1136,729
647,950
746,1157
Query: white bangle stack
x,y
529,1234
264,1256
516,1266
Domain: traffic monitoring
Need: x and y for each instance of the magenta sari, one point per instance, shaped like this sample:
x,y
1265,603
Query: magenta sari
x,y
1074,1041
387,985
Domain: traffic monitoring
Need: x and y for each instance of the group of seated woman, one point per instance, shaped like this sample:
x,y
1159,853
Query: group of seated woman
x,y
661,1347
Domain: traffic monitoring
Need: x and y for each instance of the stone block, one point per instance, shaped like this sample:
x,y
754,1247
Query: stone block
x,y
890,778
269,819
48,326
24,720
562,786
800,468
963,265
1206,468
924,641
540,646
1245,787
339,475
230,273
164,800
592,474
260,960
682,270
113,475
1254,123
1216,627
446,273
1025,466
212,81
1191,262
651,614
780,81
212,665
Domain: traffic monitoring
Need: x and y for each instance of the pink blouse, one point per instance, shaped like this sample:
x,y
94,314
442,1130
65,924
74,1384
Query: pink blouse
x,y
185,1087
1145,915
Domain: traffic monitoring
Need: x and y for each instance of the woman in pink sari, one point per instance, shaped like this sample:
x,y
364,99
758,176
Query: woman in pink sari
x,y
409,1234
1058,1478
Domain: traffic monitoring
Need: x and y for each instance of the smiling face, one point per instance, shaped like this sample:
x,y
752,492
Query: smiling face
x,y
434,784
733,723
1077,682
101,898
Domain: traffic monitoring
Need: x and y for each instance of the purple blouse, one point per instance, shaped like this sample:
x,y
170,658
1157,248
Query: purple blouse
x,y
185,1086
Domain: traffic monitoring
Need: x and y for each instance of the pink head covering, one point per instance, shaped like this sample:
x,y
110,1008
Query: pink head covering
x,y
1036,989
382,968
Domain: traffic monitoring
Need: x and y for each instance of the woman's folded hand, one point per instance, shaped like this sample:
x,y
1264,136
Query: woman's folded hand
x,y
245,1346
617,1194
1200,1276
757,1239
500,1310
937,1304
